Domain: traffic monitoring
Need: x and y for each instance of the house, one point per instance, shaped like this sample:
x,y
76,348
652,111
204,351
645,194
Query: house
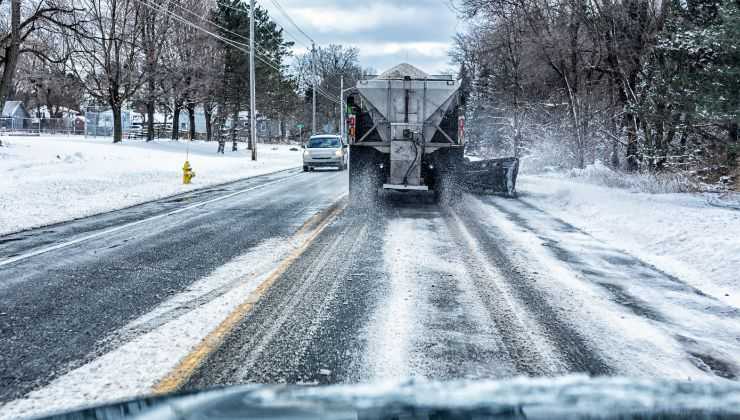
x,y
62,112
15,116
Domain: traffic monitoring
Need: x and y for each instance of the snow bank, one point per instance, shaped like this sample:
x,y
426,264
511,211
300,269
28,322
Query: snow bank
x,y
45,180
685,235
600,174
151,346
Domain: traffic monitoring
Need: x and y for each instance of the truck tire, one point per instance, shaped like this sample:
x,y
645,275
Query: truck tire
x,y
363,177
448,176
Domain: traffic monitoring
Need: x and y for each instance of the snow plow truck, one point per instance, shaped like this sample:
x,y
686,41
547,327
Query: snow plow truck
x,y
407,133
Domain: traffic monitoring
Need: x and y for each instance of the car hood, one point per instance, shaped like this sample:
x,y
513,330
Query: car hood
x,y
542,398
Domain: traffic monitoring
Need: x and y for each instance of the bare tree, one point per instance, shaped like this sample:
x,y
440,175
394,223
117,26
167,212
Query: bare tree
x,y
187,63
330,63
212,67
156,30
106,55
37,18
45,83
582,61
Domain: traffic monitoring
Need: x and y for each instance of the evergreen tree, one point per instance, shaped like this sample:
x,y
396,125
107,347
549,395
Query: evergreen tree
x,y
692,83
271,49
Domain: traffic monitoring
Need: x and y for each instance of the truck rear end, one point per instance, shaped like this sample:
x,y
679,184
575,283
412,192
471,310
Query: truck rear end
x,y
407,134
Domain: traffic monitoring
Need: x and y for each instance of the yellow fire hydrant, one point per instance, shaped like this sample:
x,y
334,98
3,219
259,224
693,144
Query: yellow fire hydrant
x,y
187,173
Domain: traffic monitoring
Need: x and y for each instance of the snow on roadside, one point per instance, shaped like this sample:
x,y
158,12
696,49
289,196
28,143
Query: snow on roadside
x,y
681,234
140,362
630,343
49,179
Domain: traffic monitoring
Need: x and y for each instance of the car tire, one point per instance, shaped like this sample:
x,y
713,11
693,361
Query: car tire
x,y
305,168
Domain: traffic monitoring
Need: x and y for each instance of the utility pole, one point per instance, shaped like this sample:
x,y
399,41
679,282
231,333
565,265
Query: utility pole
x,y
252,88
313,64
341,107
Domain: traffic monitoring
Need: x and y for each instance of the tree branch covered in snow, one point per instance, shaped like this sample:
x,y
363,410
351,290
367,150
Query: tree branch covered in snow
x,y
644,86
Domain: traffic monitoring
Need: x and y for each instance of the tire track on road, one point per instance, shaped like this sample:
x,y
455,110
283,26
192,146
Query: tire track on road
x,y
301,330
431,321
192,303
529,349
568,343
705,327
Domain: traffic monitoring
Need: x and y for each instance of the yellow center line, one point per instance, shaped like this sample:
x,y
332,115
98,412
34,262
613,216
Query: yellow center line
x,y
187,366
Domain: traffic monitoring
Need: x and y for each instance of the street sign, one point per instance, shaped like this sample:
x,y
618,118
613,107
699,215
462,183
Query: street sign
x,y
299,126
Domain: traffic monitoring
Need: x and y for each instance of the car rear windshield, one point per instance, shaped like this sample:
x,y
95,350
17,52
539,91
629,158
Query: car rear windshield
x,y
323,143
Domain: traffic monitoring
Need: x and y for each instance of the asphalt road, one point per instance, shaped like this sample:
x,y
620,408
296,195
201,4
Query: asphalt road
x,y
410,289
418,290
385,295
57,307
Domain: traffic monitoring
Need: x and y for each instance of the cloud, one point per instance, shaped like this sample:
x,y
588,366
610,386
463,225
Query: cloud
x,y
386,32
426,49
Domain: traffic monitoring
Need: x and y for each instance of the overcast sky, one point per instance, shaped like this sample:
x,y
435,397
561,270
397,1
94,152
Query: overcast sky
x,y
386,32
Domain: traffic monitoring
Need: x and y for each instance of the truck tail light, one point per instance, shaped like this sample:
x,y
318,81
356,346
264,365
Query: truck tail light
x,y
352,122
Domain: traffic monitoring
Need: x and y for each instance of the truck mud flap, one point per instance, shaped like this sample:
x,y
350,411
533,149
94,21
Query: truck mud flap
x,y
491,175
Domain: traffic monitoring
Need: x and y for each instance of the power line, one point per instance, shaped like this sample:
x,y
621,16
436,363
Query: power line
x,y
193,25
295,38
316,87
287,16
257,48
235,44
326,94
328,97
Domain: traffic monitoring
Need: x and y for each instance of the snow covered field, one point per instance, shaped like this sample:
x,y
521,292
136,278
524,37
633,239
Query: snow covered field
x,y
686,235
45,180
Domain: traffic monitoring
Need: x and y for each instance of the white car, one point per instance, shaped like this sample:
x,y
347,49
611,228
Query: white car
x,y
324,151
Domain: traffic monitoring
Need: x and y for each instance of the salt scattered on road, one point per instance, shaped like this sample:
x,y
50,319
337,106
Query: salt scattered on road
x,y
390,336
